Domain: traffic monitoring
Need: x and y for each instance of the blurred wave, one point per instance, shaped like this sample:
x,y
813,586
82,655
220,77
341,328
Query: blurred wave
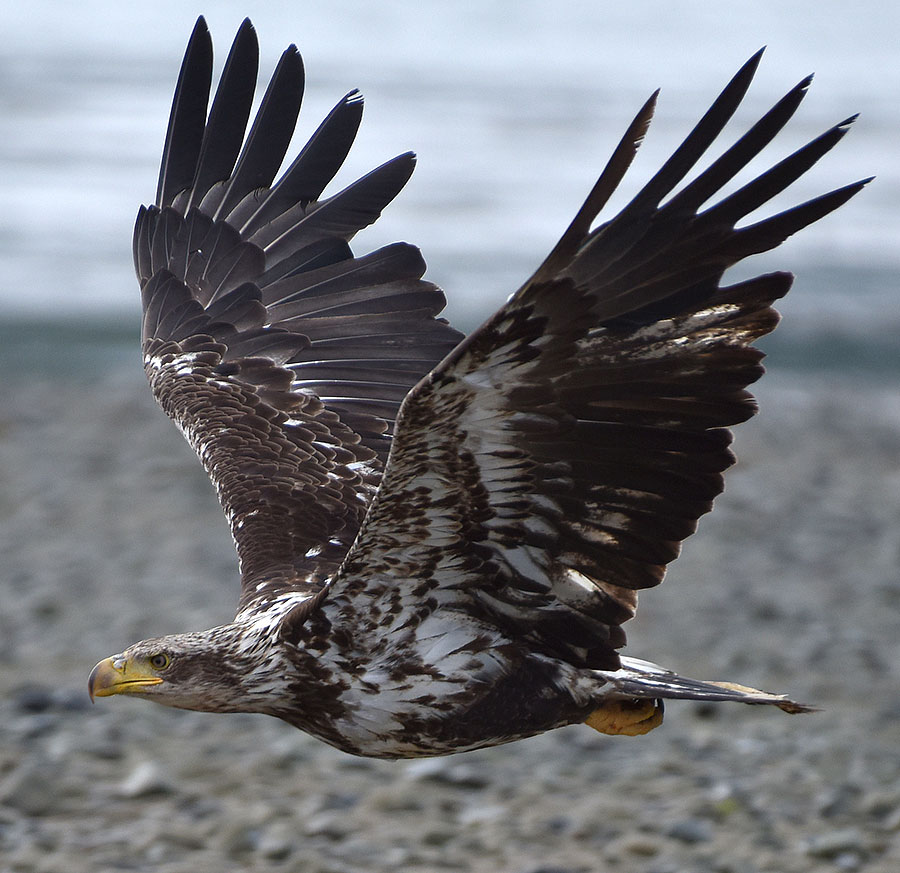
x,y
512,108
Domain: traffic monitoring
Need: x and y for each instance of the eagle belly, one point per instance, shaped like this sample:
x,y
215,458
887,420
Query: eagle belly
x,y
446,683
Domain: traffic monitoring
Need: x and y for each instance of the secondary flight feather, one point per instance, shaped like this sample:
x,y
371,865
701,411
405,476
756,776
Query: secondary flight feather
x,y
441,537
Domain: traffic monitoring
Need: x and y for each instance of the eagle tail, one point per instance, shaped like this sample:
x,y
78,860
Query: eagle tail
x,y
644,680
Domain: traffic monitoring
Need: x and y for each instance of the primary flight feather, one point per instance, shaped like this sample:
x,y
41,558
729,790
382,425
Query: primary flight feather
x,y
441,537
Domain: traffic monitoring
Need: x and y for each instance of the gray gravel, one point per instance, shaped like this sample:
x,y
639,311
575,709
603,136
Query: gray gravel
x,y
111,533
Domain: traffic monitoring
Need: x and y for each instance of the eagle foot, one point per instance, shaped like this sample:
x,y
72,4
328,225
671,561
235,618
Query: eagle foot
x,y
631,717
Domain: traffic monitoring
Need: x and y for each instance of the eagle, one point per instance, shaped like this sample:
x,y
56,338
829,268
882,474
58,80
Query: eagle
x,y
440,537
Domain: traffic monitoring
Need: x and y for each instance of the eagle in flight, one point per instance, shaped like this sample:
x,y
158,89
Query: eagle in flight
x,y
440,537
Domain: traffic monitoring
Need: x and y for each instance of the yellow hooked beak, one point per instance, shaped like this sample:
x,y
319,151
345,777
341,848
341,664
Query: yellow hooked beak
x,y
120,675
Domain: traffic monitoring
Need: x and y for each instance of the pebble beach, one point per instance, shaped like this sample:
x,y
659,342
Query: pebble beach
x,y
111,533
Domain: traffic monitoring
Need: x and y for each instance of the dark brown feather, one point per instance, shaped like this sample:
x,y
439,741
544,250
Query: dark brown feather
x,y
554,462
225,320
456,575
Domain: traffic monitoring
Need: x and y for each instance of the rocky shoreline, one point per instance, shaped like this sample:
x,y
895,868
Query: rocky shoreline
x,y
111,533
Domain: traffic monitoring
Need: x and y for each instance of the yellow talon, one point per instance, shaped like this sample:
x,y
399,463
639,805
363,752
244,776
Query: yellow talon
x,y
630,718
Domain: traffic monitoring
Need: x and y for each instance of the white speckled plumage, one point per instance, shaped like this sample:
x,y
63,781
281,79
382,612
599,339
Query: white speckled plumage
x,y
440,538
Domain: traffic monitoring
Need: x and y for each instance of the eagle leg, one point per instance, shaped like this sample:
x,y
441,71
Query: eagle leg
x,y
631,717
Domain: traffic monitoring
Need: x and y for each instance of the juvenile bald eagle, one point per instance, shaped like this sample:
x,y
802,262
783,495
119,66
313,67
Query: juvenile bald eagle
x,y
440,538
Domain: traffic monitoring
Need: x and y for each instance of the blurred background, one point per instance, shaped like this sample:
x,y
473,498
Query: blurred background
x,y
512,108
110,532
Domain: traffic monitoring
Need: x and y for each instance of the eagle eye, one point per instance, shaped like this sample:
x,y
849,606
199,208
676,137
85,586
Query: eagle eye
x,y
159,661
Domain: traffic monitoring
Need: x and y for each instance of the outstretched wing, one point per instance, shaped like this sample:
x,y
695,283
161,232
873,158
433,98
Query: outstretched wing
x,y
552,464
282,358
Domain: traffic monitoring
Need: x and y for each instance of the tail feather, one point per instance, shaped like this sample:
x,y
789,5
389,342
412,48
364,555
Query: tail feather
x,y
643,679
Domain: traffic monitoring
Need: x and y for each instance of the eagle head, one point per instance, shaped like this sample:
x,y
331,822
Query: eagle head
x,y
206,671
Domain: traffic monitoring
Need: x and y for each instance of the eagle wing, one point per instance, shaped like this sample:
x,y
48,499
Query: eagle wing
x,y
552,464
281,357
